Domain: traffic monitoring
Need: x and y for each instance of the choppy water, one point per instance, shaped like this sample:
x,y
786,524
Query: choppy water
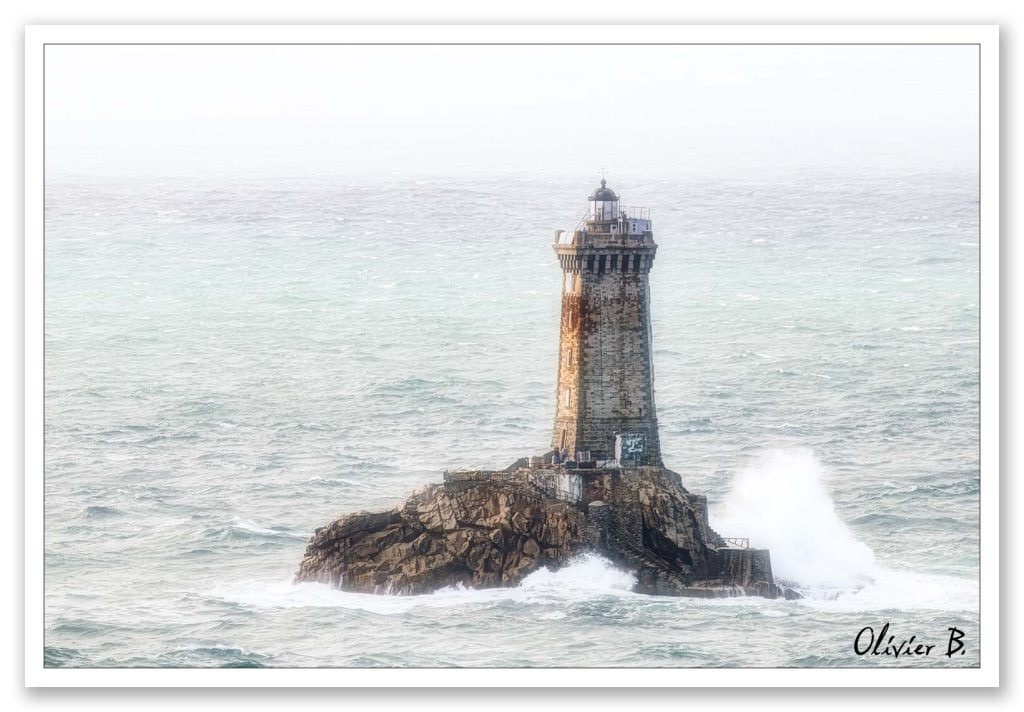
x,y
230,364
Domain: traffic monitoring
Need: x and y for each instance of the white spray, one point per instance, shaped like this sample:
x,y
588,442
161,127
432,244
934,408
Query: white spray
x,y
780,503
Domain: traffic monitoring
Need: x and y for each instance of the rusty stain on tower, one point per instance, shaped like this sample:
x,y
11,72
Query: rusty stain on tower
x,y
605,396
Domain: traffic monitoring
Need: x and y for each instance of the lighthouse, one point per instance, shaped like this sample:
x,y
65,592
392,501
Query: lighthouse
x,y
605,394
611,494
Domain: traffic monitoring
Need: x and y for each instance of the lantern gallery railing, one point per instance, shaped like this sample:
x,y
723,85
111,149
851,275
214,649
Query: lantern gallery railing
x,y
630,213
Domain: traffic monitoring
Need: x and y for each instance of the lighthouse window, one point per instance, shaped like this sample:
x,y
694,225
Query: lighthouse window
x,y
600,264
615,263
565,398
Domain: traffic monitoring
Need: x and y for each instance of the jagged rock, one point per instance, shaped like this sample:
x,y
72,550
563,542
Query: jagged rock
x,y
493,528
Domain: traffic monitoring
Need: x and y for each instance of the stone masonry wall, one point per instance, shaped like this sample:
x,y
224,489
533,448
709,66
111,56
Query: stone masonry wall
x,y
605,382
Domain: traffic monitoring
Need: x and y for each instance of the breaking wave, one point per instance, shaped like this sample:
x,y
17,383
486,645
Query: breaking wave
x,y
587,577
781,503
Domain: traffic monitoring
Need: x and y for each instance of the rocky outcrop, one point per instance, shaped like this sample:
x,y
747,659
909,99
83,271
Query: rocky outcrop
x,y
485,535
493,528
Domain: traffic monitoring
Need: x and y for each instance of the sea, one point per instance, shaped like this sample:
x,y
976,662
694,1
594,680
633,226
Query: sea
x,y
232,362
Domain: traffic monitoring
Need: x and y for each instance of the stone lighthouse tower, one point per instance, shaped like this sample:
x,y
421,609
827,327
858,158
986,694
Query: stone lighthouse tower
x,y
605,397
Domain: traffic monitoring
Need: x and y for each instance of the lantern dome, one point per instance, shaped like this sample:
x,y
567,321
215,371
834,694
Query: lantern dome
x,y
604,193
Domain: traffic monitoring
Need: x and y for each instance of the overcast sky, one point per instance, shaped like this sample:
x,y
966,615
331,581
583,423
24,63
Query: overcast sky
x,y
353,111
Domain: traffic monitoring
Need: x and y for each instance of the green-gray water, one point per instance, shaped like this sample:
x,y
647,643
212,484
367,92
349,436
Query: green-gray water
x,y
231,364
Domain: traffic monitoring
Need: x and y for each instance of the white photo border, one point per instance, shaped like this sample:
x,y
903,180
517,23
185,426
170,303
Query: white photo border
x,y
987,39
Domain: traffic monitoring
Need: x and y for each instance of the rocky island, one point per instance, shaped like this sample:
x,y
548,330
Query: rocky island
x,y
601,486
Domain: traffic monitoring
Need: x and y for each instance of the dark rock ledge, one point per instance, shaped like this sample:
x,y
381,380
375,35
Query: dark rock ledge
x,y
485,529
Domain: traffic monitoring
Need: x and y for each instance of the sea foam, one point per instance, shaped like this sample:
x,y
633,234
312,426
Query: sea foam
x,y
781,502
586,577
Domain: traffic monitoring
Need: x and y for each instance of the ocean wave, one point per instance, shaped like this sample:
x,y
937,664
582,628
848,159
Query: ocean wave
x,y
893,589
781,503
951,489
244,528
55,656
887,520
339,481
99,511
213,656
585,578
937,260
